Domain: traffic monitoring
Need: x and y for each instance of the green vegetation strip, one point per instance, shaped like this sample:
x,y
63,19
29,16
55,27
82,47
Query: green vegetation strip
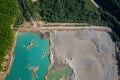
x,y
8,11
59,73
89,5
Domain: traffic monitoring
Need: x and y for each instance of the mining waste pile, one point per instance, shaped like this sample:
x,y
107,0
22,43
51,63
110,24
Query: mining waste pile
x,y
90,54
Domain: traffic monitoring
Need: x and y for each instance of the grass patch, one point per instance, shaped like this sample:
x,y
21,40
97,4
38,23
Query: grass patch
x,y
59,73
89,5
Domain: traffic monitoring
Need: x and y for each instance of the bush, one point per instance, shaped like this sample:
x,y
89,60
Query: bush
x,y
19,20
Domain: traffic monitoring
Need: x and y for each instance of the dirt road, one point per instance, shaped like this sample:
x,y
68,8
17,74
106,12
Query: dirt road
x,y
61,28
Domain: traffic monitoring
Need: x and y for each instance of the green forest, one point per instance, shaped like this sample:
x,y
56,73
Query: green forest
x,y
29,9
8,10
61,11
69,11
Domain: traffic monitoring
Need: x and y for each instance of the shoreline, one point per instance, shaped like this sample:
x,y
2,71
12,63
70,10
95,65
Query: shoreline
x,y
50,49
51,57
12,52
10,57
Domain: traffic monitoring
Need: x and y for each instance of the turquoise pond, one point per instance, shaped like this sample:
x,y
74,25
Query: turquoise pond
x,y
26,59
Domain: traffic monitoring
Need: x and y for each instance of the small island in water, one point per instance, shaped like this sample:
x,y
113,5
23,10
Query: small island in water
x,y
31,44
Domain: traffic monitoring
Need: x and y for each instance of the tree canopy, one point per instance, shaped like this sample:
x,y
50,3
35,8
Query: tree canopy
x,y
8,10
69,11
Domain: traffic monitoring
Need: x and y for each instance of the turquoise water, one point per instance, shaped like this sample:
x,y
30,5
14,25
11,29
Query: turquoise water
x,y
26,59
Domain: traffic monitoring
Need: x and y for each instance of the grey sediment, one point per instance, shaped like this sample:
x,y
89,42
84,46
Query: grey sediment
x,y
51,57
98,58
